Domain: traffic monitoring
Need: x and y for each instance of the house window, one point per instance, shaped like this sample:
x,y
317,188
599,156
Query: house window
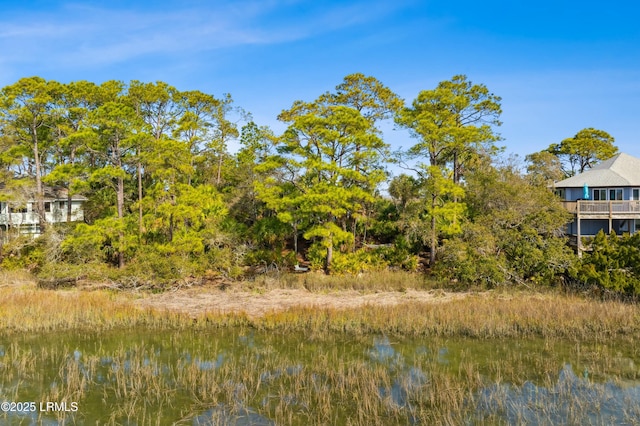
x,y
635,194
47,207
599,194
615,194
560,192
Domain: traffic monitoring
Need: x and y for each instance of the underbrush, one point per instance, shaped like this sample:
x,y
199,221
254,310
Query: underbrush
x,y
383,280
18,277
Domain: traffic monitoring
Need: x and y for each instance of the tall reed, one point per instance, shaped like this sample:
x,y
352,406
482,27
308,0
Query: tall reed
x,y
485,316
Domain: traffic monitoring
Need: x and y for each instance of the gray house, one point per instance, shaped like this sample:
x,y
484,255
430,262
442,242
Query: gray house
x,y
605,197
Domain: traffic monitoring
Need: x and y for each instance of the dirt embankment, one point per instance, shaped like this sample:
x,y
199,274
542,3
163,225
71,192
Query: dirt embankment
x,y
256,303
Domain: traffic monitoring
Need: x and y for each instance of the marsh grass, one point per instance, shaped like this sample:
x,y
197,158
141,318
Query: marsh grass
x,y
147,385
136,384
16,278
385,280
37,310
482,315
485,317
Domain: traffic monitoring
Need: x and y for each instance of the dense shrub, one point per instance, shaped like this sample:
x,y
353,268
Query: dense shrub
x,y
347,262
612,263
472,259
24,252
490,257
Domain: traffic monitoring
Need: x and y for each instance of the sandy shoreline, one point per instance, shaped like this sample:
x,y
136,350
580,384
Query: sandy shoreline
x,y
257,303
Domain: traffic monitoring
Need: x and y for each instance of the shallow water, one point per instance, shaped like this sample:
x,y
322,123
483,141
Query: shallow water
x,y
245,377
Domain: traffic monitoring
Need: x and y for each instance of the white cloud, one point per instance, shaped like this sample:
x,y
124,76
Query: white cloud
x,y
85,36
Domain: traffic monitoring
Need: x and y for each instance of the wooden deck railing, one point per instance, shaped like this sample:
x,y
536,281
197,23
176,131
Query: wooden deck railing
x,y
607,210
588,208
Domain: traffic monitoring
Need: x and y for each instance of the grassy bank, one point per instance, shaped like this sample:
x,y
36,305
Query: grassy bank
x,y
372,281
312,380
485,315
478,316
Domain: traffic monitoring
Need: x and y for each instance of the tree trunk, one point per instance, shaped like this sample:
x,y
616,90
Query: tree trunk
x,y
456,168
120,206
68,206
140,230
120,197
72,159
354,232
434,234
329,258
39,186
295,239
219,173
170,236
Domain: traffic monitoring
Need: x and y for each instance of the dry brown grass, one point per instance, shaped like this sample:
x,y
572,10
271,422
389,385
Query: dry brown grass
x,y
484,315
368,281
27,309
327,387
18,278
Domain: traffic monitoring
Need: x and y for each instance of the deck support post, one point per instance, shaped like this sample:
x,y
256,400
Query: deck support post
x,y
579,242
610,217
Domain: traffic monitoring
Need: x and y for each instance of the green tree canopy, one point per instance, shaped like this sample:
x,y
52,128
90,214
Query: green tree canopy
x,y
454,126
330,160
588,147
543,168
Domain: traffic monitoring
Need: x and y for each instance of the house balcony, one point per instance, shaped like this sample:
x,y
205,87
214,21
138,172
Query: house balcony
x,y
587,209
32,218
18,218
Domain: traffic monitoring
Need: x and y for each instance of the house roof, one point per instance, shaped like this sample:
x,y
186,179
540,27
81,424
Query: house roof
x,y
619,170
58,193
27,193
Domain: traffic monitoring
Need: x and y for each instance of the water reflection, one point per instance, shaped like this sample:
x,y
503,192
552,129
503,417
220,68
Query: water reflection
x,y
402,372
570,398
408,379
209,364
269,376
231,416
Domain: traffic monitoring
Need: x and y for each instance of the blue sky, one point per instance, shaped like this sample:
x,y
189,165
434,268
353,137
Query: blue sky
x,y
559,66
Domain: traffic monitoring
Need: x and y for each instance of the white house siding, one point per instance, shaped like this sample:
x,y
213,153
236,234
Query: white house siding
x,y
28,221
